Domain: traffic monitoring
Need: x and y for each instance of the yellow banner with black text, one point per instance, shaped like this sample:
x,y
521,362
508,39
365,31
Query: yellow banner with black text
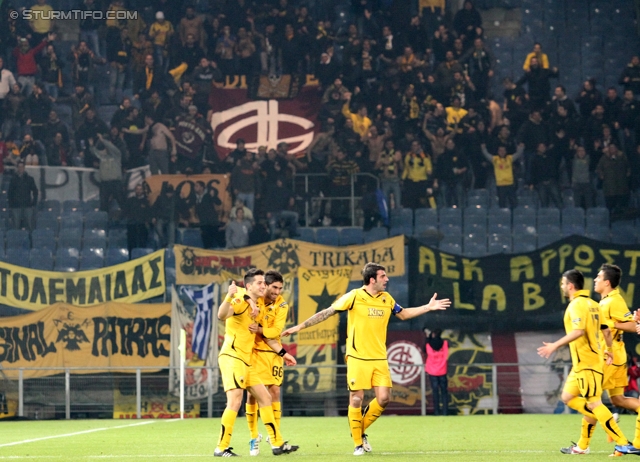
x,y
130,282
111,335
200,266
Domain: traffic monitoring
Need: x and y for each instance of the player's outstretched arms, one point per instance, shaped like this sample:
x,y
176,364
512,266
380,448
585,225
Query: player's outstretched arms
x,y
433,305
312,321
276,346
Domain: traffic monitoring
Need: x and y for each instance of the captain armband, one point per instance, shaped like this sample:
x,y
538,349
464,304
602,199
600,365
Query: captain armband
x,y
396,309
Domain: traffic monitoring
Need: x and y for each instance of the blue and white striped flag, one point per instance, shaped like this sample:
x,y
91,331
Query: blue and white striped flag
x,y
203,298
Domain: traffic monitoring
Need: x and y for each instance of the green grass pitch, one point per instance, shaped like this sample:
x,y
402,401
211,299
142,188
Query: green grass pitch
x,y
394,438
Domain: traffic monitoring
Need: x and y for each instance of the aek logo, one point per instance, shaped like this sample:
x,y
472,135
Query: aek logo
x,y
271,126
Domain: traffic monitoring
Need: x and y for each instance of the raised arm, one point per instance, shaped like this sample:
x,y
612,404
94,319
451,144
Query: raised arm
x,y
486,153
225,310
312,321
434,304
519,152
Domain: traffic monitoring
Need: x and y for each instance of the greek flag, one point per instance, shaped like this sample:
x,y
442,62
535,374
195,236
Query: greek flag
x,y
203,298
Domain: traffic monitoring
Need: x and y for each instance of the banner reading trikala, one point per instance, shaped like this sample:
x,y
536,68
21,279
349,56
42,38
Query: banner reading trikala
x,y
317,290
513,292
130,282
185,191
199,266
283,115
109,335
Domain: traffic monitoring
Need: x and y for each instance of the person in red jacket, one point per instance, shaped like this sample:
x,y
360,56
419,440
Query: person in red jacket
x,y
436,367
25,57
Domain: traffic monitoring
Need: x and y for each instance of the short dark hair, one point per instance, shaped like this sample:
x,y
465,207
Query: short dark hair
x,y
272,276
611,273
561,87
201,183
370,270
575,277
251,274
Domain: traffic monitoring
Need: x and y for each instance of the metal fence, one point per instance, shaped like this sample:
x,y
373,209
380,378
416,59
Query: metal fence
x,y
70,394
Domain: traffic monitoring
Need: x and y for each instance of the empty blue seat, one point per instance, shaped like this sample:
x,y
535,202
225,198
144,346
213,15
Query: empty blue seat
x,y
72,220
92,252
598,233
18,239
451,239
63,252
499,221
396,231
573,221
72,205
115,256
499,243
351,236
622,232
96,220
375,234
306,234
95,242
328,236
451,216
597,216
41,259
90,262
140,252
545,239
524,244
478,197
71,237
47,219
474,249
425,218
66,264
191,237
51,205
118,238
452,248
17,256
43,239
402,217
92,205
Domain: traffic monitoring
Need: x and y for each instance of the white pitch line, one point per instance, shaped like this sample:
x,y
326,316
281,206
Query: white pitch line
x,y
83,432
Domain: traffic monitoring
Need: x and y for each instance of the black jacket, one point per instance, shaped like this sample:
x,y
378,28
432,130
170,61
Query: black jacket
x,y
22,191
206,209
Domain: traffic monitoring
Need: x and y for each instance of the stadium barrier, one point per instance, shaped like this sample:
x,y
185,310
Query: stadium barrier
x,y
481,388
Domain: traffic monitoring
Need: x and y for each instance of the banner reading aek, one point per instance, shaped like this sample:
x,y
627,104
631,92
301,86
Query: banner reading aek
x,y
109,335
199,266
184,186
317,290
130,282
519,292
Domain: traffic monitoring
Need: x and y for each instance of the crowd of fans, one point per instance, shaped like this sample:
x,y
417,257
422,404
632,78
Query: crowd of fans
x,y
405,98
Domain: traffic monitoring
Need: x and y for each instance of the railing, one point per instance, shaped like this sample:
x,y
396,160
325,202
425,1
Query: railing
x,y
308,390
320,200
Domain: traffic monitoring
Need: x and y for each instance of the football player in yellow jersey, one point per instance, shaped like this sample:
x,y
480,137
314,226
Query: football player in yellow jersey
x,y
266,364
369,309
240,310
583,388
617,317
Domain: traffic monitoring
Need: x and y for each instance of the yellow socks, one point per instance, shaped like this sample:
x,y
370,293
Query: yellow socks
x,y
579,404
355,423
252,419
371,414
585,434
277,412
604,416
266,414
636,438
228,419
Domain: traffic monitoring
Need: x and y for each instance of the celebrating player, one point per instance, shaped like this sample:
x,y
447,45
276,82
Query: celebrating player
x,y
370,308
266,364
583,388
239,311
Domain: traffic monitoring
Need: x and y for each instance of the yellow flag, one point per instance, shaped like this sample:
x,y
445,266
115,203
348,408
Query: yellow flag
x,y
317,290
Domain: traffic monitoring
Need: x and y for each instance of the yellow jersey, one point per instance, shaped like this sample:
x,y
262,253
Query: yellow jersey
x,y
587,351
238,341
367,321
160,33
503,170
417,167
613,309
274,317
38,22
360,124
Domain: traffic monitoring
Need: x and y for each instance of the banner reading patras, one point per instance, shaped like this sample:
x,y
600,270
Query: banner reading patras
x,y
200,266
109,335
130,282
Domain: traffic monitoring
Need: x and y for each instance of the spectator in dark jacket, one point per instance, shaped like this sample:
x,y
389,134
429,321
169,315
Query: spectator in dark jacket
x,y
137,212
165,216
206,203
537,79
630,77
23,197
38,107
89,129
467,23
544,176
279,204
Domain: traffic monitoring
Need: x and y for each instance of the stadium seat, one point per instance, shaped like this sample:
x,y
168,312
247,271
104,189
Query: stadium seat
x,y
51,205
140,252
375,234
71,220
90,262
499,221
92,205
478,198
598,233
474,250
396,231
475,219
328,236
451,248
450,216
622,232
72,205
524,244
598,216
117,238
64,252
548,217
71,237
96,220
17,239
425,219
66,264
451,239
402,217
190,237
17,256
92,252
499,243
43,239
116,255
94,233
573,221
351,236
47,219
41,259
524,221
306,234
545,239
